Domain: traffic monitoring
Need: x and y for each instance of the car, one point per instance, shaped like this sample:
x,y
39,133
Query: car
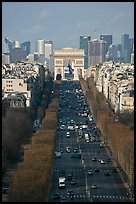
x,y
102,162
94,186
57,154
97,170
70,192
68,135
69,177
73,182
68,149
76,156
101,145
90,171
107,173
94,159
80,136
56,196
109,160
114,170
63,197
62,172
75,150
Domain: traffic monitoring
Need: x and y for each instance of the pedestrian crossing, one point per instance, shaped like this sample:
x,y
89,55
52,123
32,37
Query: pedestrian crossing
x,y
108,196
78,170
97,196
69,170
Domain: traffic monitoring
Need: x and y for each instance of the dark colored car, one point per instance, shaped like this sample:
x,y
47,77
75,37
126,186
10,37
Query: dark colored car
x,y
97,170
114,170
69,177
76,156
70,194
63,172
56,196
90,172
107,173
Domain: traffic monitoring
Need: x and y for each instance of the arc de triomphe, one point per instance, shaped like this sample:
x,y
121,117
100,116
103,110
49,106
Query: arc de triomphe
x,y
68,55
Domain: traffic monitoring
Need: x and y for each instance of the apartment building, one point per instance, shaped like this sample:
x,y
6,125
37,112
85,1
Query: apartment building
x,y
116,81
25,79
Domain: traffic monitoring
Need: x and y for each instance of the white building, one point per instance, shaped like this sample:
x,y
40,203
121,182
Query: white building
x,y
116,82
24,78
5,59
41,47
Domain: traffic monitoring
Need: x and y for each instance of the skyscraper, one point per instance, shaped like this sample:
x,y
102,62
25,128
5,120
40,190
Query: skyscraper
x,y
48,52
17,54
84,45
48,48
107,39
126,47
96,52
112,53
40,47
26,47
7,45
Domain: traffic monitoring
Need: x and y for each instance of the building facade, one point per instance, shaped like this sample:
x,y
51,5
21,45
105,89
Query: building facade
x,y
116,82
23,78
17,54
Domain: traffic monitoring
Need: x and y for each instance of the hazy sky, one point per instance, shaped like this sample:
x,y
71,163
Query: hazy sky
x,y
64,22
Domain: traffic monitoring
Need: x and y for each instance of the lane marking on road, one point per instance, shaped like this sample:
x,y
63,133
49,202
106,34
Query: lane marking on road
x,y
69,170
108,196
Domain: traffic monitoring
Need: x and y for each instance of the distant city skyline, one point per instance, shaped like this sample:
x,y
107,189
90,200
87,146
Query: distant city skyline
x,y
65,22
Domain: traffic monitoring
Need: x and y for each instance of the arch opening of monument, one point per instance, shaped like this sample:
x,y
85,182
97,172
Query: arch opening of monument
x,y
68,63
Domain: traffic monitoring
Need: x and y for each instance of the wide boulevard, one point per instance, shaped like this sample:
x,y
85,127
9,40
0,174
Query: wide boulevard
x,y
94,177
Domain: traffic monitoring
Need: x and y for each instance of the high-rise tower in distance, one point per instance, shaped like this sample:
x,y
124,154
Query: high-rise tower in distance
x,y
40,47
84,45
126,48
96,52
26,46
107,39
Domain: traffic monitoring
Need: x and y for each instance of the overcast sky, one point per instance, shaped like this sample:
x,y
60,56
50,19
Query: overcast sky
x,y
64,22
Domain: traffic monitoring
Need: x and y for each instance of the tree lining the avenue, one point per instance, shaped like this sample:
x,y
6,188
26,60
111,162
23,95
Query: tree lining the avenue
x,y
17,125
32,181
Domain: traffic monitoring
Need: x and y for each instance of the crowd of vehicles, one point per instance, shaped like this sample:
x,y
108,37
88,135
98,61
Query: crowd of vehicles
x,y
85,167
